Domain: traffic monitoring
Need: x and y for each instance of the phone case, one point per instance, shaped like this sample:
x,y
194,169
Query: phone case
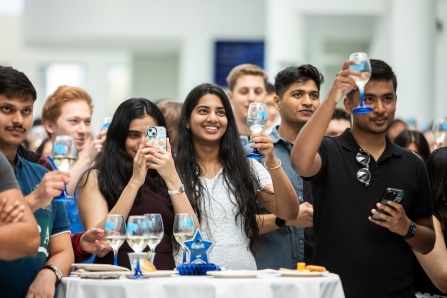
x,y
390,194
156,136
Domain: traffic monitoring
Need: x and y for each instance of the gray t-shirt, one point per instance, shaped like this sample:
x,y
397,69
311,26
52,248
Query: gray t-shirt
x,y
7,178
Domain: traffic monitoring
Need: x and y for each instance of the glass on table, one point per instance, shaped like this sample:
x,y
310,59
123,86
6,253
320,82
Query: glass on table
x,y
115,233
137,236
183,230
156,232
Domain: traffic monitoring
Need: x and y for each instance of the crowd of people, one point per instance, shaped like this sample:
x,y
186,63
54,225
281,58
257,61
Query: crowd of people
x,y
314,197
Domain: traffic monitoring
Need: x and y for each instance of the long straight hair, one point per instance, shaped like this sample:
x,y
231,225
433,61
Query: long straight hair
x,y
437,173
114,166
239,178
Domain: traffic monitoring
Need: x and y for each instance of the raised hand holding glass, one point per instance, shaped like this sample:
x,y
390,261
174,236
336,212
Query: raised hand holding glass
x,y
256,120
364,67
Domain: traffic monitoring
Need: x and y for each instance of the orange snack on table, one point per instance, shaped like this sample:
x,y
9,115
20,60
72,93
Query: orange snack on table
x,y
300,266
147,266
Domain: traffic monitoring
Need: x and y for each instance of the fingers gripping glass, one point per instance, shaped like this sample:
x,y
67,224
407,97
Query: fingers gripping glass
x,y
364,67
363,175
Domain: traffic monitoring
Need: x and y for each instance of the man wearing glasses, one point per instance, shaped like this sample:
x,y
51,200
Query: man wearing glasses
x,y
348,175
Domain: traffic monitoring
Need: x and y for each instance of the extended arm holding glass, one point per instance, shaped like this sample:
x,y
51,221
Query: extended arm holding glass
x,y
49,187
280,197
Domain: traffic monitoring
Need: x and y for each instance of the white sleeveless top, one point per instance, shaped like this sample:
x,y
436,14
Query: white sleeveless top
x,y
230,248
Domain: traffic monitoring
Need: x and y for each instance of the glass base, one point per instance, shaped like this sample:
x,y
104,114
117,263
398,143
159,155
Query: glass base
x,y
255,156
362,110
65,199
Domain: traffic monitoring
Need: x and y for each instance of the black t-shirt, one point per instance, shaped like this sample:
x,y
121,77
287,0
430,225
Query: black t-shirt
x,y
371,260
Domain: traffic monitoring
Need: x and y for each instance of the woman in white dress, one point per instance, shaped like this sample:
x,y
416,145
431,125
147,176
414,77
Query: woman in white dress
x,y
222,184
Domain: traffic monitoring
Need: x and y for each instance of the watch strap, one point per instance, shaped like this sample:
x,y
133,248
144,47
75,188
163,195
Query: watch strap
x,y
56,271
411,231
280,222
178,191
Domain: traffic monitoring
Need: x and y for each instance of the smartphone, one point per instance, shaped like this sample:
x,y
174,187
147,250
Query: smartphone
x,y
156,136
390,194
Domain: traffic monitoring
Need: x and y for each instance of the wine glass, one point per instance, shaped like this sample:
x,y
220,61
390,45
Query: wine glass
x,y
115,233
183,230
256,119
156,232
439,130
105,123
64,157
137,236
364,67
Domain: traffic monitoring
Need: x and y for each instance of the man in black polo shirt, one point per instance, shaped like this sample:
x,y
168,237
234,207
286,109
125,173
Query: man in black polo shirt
x,y
348,175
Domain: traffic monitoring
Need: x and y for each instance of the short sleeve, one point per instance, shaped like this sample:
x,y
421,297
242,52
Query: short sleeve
x,y
262,173
60,219
7,178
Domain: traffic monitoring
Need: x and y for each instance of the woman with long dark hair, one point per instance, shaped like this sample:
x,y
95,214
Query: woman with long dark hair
x,y
131,178
222,184
415,141
433,281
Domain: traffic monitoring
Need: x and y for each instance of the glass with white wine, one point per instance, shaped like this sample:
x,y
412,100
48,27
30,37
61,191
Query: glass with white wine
x,y
115,233
64,153
439,130
156,232
137,236
183,230
256,120
364,67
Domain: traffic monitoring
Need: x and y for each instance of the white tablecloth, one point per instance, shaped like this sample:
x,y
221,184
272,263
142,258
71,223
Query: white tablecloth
x,y
265,286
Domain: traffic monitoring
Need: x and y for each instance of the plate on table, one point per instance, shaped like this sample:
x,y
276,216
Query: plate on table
x,y
296,273
160,273
98,274
233,273
99,267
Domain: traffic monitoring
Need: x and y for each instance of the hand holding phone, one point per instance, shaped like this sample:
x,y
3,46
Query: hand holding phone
x,y
156,136
390,194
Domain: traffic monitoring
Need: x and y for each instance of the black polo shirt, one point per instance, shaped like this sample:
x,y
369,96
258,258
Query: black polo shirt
x,y
371,260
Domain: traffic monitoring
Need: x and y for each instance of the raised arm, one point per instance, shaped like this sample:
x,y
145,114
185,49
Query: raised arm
x,y
279,197
304,157
163,162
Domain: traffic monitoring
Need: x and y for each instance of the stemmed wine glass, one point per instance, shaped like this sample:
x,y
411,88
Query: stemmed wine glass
x,y
256,120
64,157
105,123
183,230
115,233
137,236
364,67
156,232
439,130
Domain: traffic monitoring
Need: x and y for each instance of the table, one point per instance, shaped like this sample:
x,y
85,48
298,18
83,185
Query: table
x,y
263,286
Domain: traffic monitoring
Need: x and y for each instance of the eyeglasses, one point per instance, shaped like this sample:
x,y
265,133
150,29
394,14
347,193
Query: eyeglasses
x,y
363,175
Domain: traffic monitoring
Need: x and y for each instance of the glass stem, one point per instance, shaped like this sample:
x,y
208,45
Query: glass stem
x,y
138,269
362,96
115,257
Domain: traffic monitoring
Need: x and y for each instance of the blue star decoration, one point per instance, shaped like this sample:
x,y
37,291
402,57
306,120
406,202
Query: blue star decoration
x,y
198,248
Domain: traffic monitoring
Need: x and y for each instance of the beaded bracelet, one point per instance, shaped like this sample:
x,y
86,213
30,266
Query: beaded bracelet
x,y
274,168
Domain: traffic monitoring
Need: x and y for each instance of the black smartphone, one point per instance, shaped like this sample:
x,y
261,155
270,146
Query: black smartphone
x,y
390,194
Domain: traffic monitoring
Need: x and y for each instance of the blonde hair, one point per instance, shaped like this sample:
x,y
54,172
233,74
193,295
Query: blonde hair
x,y
245,69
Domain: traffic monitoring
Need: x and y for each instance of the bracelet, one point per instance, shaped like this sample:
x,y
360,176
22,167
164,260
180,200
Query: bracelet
x,y
274,168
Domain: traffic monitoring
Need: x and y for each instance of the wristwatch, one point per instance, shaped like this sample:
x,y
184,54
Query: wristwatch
x,y
280,222
411,231
178,191
56,271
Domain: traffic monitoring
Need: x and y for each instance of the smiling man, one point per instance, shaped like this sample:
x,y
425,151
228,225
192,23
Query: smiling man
x,y
247,83
68,111
348,174
284,243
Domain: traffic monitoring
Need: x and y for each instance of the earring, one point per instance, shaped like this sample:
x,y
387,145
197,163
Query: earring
x,y
187,125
